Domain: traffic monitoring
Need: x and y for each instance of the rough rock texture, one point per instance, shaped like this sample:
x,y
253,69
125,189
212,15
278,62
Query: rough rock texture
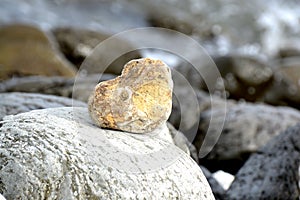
x,y
247,127
77,44
216,188
26,50
57,153
15,102
60,86
272,172
138,101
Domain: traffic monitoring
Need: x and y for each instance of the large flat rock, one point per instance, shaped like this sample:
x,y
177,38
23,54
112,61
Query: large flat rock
x,y
59,153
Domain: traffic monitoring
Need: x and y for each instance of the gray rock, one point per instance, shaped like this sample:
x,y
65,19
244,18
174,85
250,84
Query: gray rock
x,y
247,128
77,44
58,153
272,172
79,88
15,102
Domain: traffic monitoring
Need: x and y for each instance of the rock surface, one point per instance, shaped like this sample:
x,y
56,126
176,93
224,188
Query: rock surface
x,y
26,50
58,153
60,86
77,44
272,172
139,101
15,102
247,128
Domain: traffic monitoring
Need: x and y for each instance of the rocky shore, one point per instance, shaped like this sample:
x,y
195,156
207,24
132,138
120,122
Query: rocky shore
x,y
169,127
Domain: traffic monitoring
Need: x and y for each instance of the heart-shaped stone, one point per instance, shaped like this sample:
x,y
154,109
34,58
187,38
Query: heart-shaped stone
x,y
138,101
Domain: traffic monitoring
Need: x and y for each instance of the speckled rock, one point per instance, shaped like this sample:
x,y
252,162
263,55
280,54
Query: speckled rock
x,y
138,101
59,86
77,44
272,172
58,153
15,102
26,50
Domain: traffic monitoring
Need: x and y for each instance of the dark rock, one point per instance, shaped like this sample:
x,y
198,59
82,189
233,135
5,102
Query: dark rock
x,y
244,77
216,188
272,172
15,102
285,89
59,86
77,44
26,50
289,49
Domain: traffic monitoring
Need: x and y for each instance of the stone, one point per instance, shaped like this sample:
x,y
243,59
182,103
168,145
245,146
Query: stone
x,y
26,50
272,172
290,48
78,44
77,88
139,101
16,102
285,89
247,127
245,77
58,153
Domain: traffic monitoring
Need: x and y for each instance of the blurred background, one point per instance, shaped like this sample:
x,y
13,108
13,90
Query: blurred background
x,y
256,45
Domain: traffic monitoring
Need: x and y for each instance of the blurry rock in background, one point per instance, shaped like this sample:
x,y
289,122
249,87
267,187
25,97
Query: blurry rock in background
x,y
13,103
247,128
285,88
77,44
59,86
26,50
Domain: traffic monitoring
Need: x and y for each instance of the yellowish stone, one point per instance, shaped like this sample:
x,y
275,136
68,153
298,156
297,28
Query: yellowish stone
x,y
138,101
